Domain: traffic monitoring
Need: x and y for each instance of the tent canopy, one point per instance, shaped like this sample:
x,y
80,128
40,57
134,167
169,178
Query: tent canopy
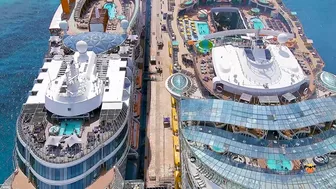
x,y
53,140
73,139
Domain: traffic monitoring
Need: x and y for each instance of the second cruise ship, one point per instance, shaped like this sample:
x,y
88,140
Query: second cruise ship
x,y
74,127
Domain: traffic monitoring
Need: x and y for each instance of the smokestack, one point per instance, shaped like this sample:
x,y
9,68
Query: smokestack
x,y
97,12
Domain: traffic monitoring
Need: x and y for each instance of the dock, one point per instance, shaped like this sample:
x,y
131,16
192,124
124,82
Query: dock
x,y
159,162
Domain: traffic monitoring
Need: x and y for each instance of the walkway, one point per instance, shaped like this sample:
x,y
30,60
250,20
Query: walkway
x,y
159,146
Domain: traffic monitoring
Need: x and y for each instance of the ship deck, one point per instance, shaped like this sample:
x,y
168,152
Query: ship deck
x,y
159,165
79,18
20,181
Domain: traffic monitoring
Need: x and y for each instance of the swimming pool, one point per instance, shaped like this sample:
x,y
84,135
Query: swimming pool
x,y
202,30
68,127
111,9
279,165
257,23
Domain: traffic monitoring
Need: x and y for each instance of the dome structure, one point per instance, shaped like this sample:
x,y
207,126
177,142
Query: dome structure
x,y
81,46
63,25
178,83
98,42
328,80
282,38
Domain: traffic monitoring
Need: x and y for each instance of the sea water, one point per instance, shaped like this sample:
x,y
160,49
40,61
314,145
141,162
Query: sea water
x,y
318,20
24,38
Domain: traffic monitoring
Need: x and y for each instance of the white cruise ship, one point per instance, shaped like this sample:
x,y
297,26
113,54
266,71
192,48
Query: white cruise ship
x,y
74,128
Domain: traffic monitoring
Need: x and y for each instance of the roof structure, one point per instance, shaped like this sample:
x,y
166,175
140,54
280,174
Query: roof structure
x,y
283,117
256,71
246,97
269,99
289,97
178,83
328,80
98,42
223,140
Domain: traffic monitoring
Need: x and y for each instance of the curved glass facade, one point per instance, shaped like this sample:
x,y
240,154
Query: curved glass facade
x,y
235,160
73,171
89,179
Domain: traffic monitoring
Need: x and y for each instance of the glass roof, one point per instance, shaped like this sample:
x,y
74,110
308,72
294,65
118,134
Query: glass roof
x,y
178,83
251,177
328,80
98,42
263,149
282,117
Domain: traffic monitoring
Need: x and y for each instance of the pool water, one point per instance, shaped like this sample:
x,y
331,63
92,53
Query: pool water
x,y
202,30
204,46
279,165
257,23
111,9
68,127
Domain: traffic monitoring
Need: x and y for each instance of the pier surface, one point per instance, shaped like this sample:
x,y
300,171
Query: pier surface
x,y
159,163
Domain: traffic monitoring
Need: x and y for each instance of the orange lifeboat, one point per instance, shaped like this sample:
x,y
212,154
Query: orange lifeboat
x,y
138,81
137,105
135,130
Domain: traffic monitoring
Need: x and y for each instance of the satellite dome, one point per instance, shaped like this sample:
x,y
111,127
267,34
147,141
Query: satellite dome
x,y
124,24
63,25
282,38
81,46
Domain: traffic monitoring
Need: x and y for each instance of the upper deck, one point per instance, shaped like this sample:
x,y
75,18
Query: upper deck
x,y
57,137
100,15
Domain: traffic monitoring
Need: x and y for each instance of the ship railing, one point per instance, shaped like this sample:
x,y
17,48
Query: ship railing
x,y
41,152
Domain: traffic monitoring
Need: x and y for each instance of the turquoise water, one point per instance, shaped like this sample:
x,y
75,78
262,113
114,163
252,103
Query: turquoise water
x,y
68,127
23,45
202,30
217,149
257,23
204,46
279,165
111,8
189,2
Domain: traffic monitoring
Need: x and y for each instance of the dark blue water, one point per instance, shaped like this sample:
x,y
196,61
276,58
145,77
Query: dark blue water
x,y
318,20
24,41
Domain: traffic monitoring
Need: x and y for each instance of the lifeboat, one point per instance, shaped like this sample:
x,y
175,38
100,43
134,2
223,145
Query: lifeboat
x,y
176,147
174,121
137,105
138,81
134,135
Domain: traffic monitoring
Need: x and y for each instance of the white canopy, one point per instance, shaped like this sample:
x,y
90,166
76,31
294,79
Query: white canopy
x,y
53,140
73,139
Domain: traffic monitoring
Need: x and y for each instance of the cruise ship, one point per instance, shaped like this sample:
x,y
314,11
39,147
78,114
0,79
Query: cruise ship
x,y
254,108
74,130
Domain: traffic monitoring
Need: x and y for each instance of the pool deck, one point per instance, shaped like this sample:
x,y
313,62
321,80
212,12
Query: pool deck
x,y
73,28
159,163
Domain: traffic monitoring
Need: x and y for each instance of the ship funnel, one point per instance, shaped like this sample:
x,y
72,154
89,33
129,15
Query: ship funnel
x,y
65,6
97,12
